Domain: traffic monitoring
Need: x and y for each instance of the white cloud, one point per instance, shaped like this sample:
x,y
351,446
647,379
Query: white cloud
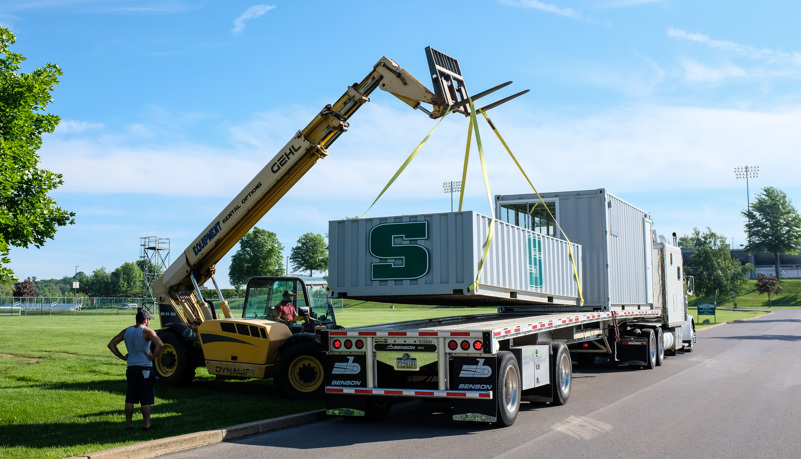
x,y
546,7
697,72
627,3
251,13
646,140
755,62
74,127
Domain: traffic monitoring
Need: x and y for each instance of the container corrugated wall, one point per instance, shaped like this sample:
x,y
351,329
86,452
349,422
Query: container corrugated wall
x,y
381,259
616,244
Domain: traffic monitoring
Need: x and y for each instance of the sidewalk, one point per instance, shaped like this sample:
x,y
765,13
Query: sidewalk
x,y
168,445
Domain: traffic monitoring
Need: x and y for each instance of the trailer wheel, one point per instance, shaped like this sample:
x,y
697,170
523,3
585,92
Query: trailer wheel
x,y
508,388
660,347
299,371
561,373
173,365
650,348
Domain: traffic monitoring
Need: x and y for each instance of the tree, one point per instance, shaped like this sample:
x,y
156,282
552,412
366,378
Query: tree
x,y
28,215
259,254
310,254
686,242
127,280
769,285
714,269
773,226
25,288
48,288
98,284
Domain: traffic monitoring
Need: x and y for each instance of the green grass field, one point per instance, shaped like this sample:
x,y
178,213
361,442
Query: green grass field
x,y
750,298
63,391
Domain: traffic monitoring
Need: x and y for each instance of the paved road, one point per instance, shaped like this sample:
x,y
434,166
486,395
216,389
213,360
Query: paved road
x,y
736,396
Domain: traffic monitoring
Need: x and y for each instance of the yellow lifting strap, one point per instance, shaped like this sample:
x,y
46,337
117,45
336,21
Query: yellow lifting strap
x,y
491,230
466,157
406,163
569,244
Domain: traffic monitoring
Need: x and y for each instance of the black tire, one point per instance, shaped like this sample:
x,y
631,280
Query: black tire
x,y
660,347
299,371
509,389
174,365
650,348
561,373
377,408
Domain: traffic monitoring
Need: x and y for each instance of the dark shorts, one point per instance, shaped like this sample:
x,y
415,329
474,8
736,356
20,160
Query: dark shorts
x,y
140,388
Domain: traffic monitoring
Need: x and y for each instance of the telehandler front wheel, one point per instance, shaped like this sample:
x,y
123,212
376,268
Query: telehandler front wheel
x,y
173,365
299,371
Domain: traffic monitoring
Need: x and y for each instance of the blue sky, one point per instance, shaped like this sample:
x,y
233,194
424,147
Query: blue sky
x,y
169,107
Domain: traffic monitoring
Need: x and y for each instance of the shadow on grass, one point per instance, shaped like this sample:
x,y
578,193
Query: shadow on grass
x,y
206,404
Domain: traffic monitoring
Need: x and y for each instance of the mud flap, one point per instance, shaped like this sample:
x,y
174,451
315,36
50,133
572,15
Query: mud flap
x,y
345,372
632,350
474,373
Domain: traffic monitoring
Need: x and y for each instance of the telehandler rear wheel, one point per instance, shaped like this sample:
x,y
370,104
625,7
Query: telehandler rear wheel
x,y
173,365
299,371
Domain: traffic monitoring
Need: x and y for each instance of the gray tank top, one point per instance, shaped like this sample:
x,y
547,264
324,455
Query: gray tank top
x,y
138,347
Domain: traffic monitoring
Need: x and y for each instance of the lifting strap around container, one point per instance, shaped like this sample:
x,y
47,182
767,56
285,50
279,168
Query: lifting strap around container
x,y
569,244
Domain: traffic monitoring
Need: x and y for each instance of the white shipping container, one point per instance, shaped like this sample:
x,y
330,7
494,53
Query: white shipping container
x,y
435,258
615,237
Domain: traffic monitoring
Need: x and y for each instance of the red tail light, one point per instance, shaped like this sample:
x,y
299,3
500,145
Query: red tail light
x,y
337,344
478,345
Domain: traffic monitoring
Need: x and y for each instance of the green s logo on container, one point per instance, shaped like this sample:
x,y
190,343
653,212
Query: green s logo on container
x,y
410,259
534,261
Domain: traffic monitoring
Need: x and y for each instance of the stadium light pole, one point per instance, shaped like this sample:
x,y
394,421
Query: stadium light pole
x,y
747,172
452,187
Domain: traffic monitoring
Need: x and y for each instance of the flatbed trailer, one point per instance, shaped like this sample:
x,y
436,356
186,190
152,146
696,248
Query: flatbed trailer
x,y
465,359
485,364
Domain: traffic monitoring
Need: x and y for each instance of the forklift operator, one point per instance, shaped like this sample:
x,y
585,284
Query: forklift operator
x,y
284,311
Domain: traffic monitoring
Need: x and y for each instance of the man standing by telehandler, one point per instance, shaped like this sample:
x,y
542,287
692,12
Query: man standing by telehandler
x,y
140,375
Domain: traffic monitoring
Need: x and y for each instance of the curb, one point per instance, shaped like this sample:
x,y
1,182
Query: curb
x,y
152,448
734,321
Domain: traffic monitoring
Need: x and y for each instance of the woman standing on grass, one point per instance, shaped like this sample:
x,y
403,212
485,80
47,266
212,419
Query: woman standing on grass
x,y
139,374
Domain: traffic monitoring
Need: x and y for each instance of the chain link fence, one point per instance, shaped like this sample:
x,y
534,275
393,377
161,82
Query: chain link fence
x,y
27,306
